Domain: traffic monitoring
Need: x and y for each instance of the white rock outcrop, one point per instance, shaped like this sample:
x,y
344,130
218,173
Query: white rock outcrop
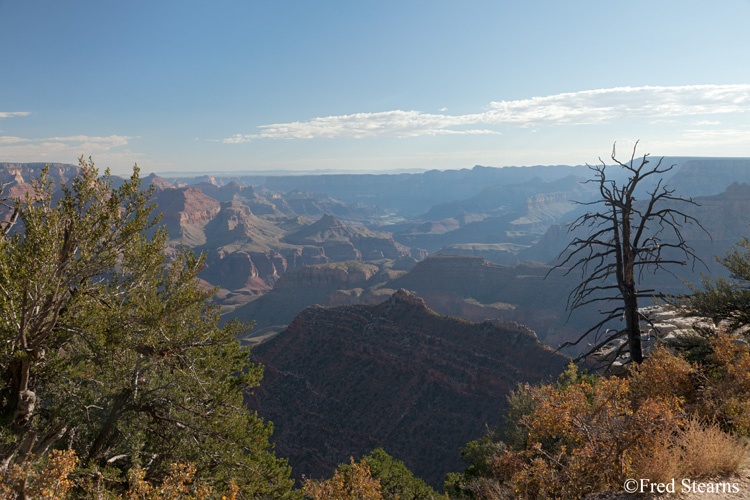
x,y
662,325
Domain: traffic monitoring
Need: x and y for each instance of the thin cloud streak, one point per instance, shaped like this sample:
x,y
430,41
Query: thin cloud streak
x,y
11,114
360,125
605,105
14,149
574,108
11,140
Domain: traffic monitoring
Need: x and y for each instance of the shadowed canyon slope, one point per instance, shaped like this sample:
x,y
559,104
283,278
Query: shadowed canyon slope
x,y
468,287
342,381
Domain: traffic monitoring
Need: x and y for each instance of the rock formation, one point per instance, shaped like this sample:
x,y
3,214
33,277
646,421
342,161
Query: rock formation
x,y
342,381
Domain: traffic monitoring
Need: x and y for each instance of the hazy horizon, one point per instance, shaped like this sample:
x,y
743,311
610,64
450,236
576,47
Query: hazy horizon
x,y
384,171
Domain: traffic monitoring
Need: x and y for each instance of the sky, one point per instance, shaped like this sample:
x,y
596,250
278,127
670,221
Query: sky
x,y
370,86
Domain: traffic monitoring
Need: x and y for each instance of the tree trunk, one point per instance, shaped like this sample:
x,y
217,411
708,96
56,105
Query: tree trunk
x,y
19,407
633,324
103,438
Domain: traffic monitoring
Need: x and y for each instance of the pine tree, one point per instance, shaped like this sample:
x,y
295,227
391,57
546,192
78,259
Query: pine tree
x,y
396,480
725,298
111,349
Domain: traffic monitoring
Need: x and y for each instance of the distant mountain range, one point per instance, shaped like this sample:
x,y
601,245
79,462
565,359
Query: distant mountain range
x,y
255,229
412,194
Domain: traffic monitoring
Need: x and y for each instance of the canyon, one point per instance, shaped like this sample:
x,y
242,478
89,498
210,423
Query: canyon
x,y
344,380
400,310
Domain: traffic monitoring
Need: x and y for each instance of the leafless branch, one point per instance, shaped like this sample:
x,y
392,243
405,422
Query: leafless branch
x,y
625,239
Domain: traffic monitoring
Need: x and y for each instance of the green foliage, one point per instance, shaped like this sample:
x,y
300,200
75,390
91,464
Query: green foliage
x,y
721,298
572,376
694,347
478,481
520,403
110,350
396,481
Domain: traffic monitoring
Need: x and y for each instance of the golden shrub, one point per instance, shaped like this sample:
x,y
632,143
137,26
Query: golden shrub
x,y
726,395
353,483
49,478
663,375
584,437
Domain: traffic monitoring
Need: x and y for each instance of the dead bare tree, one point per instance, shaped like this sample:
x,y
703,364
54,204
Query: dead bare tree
x,y
625,239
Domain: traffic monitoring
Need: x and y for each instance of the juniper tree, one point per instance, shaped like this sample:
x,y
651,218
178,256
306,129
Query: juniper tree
x,y
724,299
111,350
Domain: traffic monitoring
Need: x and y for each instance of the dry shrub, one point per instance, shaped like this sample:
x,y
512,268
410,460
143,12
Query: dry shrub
x,y
660,466
49,478
697,450
584,437
663,375
587,436
727,393
708,451
353,483
45,479
481,488
179,485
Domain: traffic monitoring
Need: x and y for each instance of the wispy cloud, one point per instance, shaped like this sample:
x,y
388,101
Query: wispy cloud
x,y
62,149
605,105
10,114
585,107
383,124
11,140
706,123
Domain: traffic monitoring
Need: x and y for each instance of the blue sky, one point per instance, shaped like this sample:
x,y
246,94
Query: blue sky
x,y
370,85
